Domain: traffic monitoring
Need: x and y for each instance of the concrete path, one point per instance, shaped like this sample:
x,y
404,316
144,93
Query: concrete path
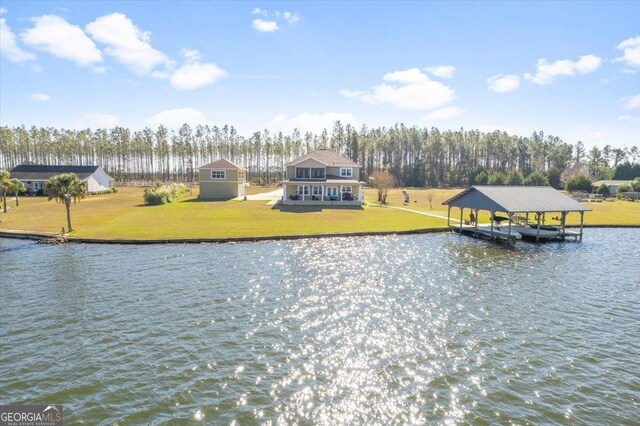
x,y
271,197
418,212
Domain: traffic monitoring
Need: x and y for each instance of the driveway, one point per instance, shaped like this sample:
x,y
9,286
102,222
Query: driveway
x,y
271,197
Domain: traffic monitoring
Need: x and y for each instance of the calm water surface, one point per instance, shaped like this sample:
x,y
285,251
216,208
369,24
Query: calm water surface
x,y
381,330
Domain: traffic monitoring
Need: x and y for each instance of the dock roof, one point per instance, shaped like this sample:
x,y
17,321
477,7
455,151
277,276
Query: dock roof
x,y
515,199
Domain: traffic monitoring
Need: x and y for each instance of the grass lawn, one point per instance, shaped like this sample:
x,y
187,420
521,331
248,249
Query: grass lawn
x,y
123,216
614,212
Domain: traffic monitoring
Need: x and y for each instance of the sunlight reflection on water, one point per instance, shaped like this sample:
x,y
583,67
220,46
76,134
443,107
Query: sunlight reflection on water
x,y
380,330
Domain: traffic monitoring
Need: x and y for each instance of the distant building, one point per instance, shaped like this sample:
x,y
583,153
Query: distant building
x,y
322,177
611,184
34,176
222,180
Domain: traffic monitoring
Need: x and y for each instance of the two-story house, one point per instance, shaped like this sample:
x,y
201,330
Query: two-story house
x,y
322,177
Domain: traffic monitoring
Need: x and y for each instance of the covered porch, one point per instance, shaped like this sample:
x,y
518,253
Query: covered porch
x,y
325,193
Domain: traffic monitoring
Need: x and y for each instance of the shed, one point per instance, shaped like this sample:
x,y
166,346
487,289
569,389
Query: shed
x,y
222,179
517,202
34,176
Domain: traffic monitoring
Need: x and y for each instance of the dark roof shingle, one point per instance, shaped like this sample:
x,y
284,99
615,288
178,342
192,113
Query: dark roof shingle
x,y
43,172
222,164
325,156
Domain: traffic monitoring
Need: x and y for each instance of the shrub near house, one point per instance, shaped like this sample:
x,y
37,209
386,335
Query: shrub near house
x,y
163,194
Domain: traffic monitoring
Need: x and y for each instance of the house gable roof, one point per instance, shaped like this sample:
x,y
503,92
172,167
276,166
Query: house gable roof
x,y
222,164
44,172
515,199
325,156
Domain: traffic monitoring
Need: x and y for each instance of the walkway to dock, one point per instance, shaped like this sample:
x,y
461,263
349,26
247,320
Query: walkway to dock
x,y
418,212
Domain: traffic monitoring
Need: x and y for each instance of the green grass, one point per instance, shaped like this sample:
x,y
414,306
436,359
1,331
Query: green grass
x,y
123,216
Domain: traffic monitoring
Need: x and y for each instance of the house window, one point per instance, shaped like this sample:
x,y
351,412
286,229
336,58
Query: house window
x,y
218,174
317,173
346,189
317,190
241,176
303,190
303,173
346,172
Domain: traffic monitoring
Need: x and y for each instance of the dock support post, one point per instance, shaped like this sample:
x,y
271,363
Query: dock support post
x,y
476,223
509,237
564,220
538,230
581,222
492,216
449,216
461,214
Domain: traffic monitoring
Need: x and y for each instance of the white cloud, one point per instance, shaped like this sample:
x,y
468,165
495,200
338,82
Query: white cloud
x,y
127,43
351,93
174,118
258,11
101,120
3,10
488,128
265,26
40,97
443,113
631,51
411,89
310,122
8,45
503,83
627,117
631,102
290,17
442,71
546,72
53,34
193,74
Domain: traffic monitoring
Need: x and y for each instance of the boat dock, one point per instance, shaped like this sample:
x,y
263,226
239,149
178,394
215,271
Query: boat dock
x,y
518,203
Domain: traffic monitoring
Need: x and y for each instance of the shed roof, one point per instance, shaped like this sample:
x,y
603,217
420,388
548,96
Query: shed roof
x,y
326,157
515,199
44,172
222,164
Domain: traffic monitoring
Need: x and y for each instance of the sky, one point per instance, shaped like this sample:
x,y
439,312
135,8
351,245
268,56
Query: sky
x,y
570,69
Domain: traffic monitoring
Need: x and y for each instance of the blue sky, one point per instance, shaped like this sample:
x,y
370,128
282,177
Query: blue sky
x,y
569,69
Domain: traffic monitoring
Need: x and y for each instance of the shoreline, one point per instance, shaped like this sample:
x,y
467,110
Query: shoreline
x,y
42,236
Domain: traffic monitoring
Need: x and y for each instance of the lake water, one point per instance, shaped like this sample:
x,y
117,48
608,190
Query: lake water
x,y
380,330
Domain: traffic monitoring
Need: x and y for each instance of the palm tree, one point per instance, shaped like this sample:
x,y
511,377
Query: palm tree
x,y
63,188
4,187
16,187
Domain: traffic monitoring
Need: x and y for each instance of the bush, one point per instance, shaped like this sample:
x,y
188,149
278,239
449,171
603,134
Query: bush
x,y
104,191
514,177
164,194
553,175
603,190
635,185
579,183
536,179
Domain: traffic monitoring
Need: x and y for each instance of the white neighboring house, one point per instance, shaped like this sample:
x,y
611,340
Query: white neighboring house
x,y
34,176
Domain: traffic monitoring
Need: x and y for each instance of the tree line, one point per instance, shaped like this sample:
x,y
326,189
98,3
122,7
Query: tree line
x,y
416,156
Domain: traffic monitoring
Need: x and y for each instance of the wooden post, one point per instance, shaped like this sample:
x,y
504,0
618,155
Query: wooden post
x,y
538,230
461,214
527,218
581,222
476,222
563,218
509,237
449,215
492,215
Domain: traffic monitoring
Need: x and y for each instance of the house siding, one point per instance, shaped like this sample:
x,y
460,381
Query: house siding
x,y
221,189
